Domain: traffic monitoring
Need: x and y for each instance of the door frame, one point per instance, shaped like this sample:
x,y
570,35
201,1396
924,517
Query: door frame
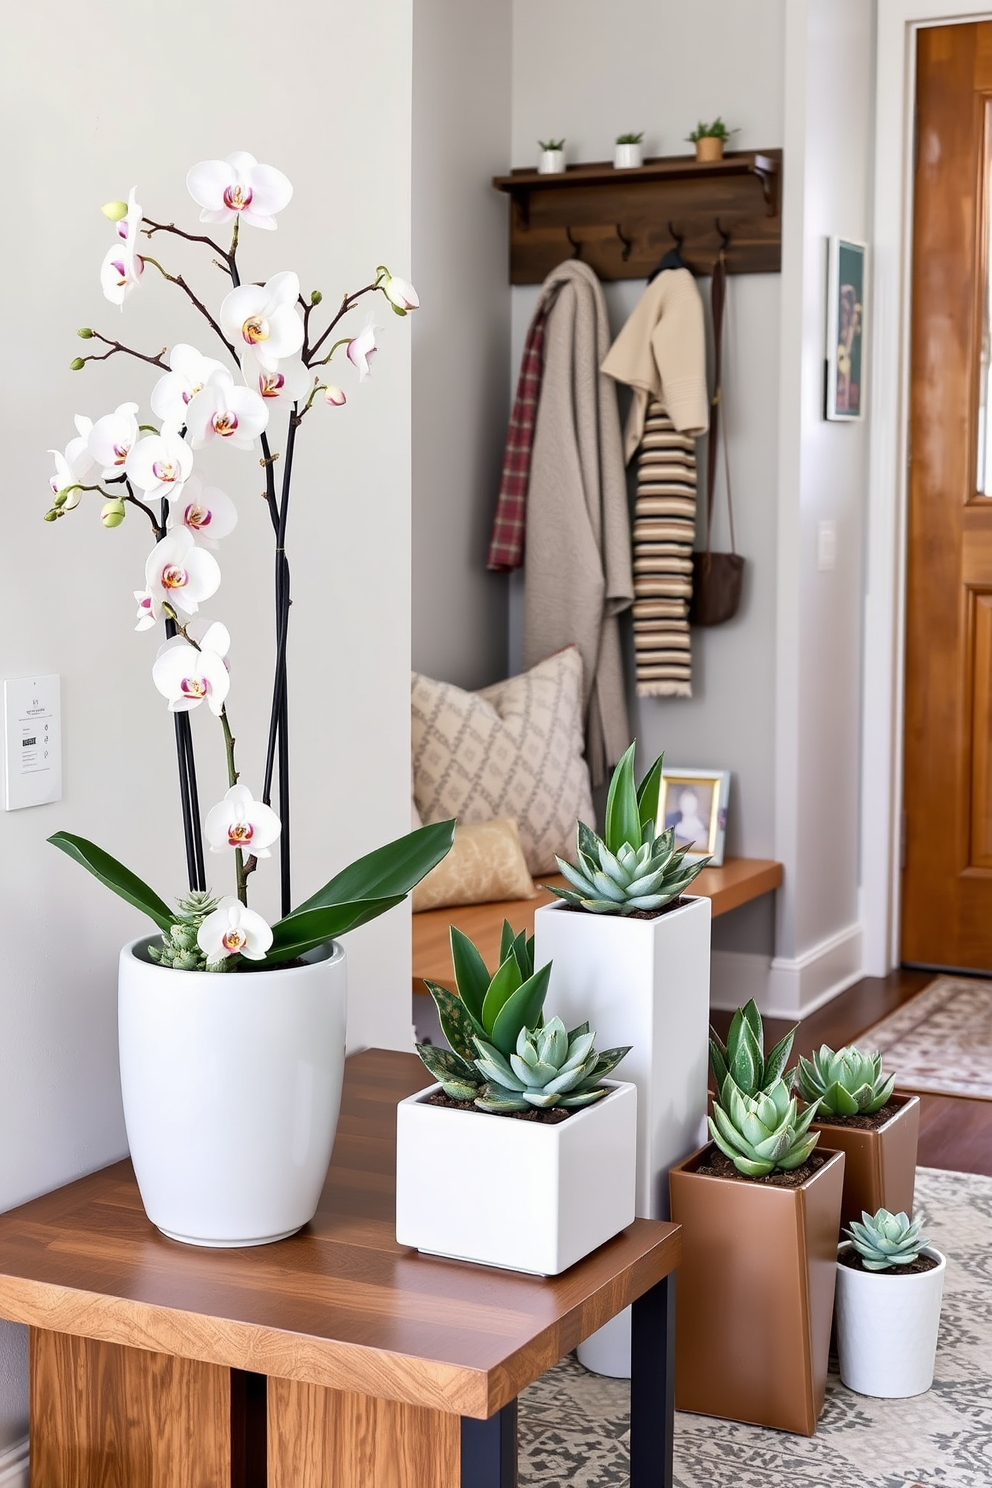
x,y
883,672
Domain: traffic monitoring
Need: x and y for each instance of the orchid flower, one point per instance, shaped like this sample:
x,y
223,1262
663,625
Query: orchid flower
x,y
362,348
110,439
73,467
239,187
123,265
223,410
179,575
159,464
190,371
188,676
146,610
262,319
241,821
233,930
334,395
290,382
206,512
401,294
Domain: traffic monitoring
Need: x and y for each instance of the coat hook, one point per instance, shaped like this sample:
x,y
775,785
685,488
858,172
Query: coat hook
x,y
628,243
576,246
724,237
678,237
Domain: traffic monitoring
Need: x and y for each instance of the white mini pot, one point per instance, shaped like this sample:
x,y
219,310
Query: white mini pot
x,y
524,1196
550,162
645,983
887,1327
231,1085
627,157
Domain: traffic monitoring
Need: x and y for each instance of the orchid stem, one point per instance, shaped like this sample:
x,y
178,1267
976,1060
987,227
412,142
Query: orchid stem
x,y
188,794
178,279
309,352
232,779
116,346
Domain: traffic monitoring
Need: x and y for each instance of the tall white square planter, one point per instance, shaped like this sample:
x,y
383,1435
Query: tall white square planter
x,y
523,1195
645,983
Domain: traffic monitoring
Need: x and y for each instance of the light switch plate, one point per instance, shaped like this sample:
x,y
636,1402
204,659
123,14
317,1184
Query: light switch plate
x,y
33,741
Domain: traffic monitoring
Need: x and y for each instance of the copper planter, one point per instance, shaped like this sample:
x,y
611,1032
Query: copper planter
x,y
755,1294
880,1170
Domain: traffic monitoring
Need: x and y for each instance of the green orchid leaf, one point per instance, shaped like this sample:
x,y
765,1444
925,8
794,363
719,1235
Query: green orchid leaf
x,y
304,929
623,821
114,876
649,795
471,972
388,873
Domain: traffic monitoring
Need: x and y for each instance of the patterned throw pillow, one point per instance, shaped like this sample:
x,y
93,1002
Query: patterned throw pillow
x,y
485,864
513,749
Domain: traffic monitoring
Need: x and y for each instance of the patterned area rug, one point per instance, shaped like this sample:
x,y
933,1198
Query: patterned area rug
x,y
573,1425
941,1040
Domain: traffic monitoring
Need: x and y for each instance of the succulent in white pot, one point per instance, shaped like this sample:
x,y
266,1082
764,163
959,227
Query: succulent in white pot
x,y
628,152
551,161
890,1283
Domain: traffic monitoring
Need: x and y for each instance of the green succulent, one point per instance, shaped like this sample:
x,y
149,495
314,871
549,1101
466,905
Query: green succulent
x,y
716,130
549,1067
848,1083
885,1240
492,1008
179,948
630,139
552,144
742,1057
633,866
762,1133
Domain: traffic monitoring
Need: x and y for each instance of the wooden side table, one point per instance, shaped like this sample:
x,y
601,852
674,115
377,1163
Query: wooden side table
x,y
334,1358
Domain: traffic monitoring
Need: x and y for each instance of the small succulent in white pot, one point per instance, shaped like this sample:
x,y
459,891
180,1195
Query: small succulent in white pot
x,y
890,1281
551,161
628,152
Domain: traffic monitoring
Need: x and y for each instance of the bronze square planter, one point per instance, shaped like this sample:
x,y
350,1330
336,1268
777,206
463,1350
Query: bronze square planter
x,y
755,1294
880,1170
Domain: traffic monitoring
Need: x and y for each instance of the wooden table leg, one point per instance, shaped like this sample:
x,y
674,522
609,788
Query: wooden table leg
x,y
489,1450
103,1416
652,1387
320,1438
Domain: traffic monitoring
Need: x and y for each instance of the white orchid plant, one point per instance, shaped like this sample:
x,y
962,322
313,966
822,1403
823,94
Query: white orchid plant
x,y
272,368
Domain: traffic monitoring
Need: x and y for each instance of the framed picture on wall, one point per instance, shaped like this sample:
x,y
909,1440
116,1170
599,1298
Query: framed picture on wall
x,y
694,802
846,295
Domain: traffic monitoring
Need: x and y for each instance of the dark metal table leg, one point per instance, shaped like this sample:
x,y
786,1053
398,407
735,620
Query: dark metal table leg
x,y
652,1387
489,1450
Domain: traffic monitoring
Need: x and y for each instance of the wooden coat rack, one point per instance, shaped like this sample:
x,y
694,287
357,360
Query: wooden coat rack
x,y
621,222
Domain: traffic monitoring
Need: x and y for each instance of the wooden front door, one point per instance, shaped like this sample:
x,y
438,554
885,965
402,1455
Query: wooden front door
x,y
947,868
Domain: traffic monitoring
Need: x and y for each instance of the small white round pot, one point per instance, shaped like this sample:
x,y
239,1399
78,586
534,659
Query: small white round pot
x,y
550,162
887,1328
231,1084
627,157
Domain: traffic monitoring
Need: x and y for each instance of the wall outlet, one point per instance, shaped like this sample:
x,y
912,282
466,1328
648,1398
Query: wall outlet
x,y
33,741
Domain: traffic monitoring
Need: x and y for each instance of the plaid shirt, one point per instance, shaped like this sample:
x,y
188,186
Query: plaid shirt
x,y
506,547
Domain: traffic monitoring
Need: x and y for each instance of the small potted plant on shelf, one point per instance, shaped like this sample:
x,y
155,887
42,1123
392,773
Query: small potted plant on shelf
x,y
710,140
890,1281
632,953
542,1143
628,152
861,1116
551,161
760,1212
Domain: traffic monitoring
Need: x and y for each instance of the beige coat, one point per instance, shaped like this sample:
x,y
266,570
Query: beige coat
x,y
577,567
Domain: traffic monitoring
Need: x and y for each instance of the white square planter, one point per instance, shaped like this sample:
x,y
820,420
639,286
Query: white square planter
x,y
524,1196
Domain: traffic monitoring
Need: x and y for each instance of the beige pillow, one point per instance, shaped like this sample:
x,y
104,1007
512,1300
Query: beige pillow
x,y
486,863
513,749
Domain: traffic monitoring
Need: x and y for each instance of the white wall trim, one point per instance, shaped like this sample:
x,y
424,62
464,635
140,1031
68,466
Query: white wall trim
x,y
884,655
14,1466
788,986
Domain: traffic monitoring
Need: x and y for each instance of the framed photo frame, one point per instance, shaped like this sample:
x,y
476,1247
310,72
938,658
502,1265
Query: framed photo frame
x,y
847,289
694,802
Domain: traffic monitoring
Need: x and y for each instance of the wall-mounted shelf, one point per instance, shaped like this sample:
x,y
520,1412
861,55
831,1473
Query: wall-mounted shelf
x,y
621,221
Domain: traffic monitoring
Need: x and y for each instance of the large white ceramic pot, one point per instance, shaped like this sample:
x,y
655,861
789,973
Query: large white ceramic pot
x,y
231,1085
887,1325
643,982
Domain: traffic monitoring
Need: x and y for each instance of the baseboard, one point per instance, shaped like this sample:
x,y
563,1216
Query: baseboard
x,y
14,1466
788,987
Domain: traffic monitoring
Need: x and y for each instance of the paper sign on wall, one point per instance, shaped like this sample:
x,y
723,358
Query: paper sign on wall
x,y
33,741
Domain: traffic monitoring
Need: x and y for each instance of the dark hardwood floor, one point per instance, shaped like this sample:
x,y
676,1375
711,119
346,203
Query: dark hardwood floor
x,y
955,1131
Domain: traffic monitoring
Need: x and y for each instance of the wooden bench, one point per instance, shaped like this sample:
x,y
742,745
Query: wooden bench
x,y
737,882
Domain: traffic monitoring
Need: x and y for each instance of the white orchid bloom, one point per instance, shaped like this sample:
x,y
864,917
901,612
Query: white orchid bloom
x,y
159,464
74,466
180,575
362,348
188,676
208,513
233,930
241,821
123,266
239,186
290,382
262,319
146,610
225,411
110,439
401,294
189,374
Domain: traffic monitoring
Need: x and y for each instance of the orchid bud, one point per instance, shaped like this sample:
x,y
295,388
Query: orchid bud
x,y
334,396
400,294
114,210
315,297
62,496
52,516
85,333
77,364
112,514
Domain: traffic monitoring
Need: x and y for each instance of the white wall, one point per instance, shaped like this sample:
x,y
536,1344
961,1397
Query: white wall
x,y
98,101
461,348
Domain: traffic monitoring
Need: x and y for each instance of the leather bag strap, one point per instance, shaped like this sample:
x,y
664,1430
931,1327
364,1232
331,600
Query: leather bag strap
x,y
718,299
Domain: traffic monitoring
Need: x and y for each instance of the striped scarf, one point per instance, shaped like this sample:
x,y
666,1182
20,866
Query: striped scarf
x,y
664,529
